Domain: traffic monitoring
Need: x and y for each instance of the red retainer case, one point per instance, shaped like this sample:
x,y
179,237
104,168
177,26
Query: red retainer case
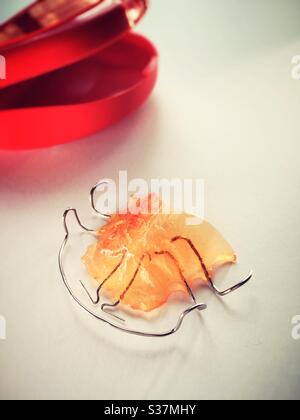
x,y
70,68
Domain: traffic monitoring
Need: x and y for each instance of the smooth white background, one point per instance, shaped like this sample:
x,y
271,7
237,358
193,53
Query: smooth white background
x,y
225,109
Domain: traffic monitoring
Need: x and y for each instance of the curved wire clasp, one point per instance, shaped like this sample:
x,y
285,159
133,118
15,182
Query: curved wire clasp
x,y
231,289
208,277
183,315
92,198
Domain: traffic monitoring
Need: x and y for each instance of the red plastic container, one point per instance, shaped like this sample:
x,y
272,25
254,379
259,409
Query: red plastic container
x,y
73,68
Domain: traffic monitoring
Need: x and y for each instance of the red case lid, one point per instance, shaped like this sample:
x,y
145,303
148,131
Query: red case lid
x,y
72,68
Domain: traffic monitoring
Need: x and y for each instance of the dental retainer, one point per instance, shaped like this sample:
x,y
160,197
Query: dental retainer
x,y
140,259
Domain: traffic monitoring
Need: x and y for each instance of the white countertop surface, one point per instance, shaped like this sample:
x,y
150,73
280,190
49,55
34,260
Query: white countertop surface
x,y
226,109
